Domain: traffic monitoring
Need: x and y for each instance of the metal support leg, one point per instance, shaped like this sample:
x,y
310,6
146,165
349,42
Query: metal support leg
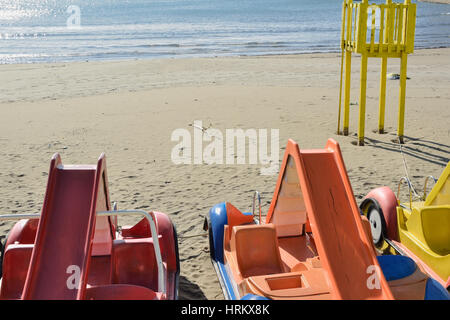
x,y
348,69
381,115
362,100
402,95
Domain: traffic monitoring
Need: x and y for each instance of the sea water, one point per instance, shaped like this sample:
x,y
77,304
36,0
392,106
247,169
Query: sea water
x,y
84,30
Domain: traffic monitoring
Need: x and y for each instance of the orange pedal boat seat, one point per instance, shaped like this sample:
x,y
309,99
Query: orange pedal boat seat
x,y
256,249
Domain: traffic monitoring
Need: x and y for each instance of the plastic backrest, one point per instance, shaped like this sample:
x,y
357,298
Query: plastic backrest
x,y
23,232
236,218
99,271
16,260
436,228
440,193
133,262
256,248
139,230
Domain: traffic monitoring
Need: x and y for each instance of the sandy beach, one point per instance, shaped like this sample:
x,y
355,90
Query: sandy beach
x,y
129,109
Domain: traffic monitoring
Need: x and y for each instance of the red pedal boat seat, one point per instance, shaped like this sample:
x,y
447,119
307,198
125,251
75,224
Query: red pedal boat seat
x,y
120,292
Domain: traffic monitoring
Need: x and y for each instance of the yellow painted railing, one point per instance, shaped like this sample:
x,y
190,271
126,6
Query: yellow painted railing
x,y
375,31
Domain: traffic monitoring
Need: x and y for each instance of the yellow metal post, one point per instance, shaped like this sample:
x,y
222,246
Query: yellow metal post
x,y
348,67
340,93
382,94
344,7
362,100
362,33
402,96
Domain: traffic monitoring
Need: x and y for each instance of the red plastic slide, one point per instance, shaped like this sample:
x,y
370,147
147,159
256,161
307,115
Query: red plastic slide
x,y
66,230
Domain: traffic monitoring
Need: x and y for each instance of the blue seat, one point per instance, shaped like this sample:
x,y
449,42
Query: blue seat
x,y
396,267
434,291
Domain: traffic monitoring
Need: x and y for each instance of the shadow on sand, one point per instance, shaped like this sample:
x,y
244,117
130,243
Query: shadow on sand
x,y
189,291
426,150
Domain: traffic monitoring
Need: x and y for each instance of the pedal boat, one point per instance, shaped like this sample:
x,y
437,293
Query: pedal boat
x,y
75,249
313,244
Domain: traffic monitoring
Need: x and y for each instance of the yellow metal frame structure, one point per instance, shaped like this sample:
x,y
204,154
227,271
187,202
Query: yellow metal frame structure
x,y
388,32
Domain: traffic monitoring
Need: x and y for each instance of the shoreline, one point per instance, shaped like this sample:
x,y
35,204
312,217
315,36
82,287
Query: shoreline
x,y
175,57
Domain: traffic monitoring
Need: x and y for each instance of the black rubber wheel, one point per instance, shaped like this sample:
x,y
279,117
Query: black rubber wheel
x,y
177,257
372,210
212,252
1,258
3,242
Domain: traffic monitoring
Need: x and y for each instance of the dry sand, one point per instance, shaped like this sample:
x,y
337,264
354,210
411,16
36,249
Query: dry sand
x,y
129,110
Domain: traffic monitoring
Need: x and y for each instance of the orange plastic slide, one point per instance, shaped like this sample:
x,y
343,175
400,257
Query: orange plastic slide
x,y
343,246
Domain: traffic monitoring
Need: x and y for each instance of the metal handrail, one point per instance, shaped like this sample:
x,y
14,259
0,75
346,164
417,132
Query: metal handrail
x,y
259,202
160,265
409,187
425,186
19,216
